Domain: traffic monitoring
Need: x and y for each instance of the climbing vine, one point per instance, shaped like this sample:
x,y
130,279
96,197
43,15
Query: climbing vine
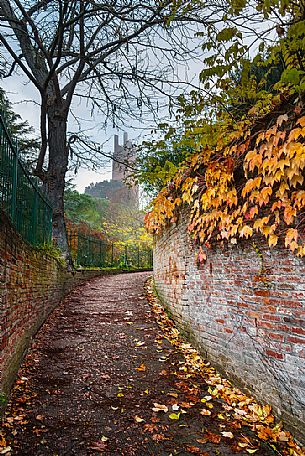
x,y
254,185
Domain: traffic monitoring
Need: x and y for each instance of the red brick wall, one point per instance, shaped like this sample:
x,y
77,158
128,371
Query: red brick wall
x,y
245,309
31,285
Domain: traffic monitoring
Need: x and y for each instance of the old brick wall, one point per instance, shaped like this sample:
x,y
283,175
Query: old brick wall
x,y
245,310
31,285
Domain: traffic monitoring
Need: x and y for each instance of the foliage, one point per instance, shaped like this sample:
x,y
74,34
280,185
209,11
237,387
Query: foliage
x,y
246,176
51,250
28,146
158,160
111,57
104,219
80,207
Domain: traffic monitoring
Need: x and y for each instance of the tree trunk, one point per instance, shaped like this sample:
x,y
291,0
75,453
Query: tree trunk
x,y
57,168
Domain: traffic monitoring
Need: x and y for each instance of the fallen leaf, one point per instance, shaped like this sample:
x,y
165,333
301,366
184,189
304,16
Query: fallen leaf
x,y
159,437
6,450
138,419
159,408
104,438
174,416
173,394
163,372
283,437
150,428
229,435
141,368
193,449
203,440
139,344
99,446
211,437
249,450
205,412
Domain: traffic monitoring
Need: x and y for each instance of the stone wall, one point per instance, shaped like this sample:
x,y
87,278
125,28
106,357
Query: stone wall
x,y
245,310
31,285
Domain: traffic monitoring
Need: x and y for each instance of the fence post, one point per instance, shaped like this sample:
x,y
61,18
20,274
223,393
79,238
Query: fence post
x,y
126,255
14,184
33,230
78,248
112,254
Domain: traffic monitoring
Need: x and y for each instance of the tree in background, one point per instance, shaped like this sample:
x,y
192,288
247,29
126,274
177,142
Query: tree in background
x,y
28,145
111,221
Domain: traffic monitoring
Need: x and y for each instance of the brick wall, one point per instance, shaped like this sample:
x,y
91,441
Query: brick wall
x,y
245,310
31,285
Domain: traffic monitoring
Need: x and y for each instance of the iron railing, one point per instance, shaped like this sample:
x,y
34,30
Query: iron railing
x,y
20,196
92,252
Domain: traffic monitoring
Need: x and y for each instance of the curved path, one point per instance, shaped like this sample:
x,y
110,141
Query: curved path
x,y
90,380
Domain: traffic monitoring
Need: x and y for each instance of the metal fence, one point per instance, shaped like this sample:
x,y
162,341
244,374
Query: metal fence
x,y
20,197
92,252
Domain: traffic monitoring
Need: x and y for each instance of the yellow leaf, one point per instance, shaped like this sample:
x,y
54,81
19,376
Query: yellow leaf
x,y
138,419
246,231
249,450
301,121
174,416
139,344
272,240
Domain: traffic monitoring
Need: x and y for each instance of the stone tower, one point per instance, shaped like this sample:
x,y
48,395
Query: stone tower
x,y
120,156
124,155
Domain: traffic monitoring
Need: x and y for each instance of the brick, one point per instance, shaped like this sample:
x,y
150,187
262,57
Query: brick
x,y
238,314
33,284
274,354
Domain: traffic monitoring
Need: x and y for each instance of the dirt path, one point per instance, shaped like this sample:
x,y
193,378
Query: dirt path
x,y
93,375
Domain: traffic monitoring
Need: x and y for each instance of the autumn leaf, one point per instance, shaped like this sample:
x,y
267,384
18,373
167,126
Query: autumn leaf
x,y
228,435
205,412
159,437
141,368
138,419
160,408
211,437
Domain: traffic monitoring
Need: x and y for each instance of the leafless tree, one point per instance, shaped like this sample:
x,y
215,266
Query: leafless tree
x,y
118,54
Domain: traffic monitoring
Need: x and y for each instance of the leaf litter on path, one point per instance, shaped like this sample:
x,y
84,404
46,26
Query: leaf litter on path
x,y
87,388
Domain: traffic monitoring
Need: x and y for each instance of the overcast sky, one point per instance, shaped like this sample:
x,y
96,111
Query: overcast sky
x,y
26,103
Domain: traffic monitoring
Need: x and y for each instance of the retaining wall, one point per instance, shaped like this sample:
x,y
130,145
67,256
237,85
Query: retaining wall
x,y
245,310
